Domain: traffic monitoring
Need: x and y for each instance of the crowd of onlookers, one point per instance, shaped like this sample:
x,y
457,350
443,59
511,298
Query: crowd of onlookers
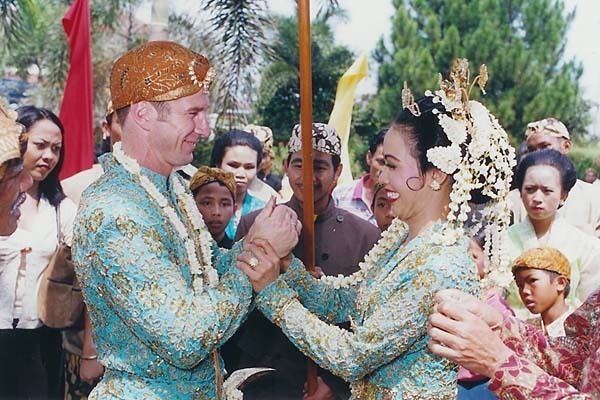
x,y
552,247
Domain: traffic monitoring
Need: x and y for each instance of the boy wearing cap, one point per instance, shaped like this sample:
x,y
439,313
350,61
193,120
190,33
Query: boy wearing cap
x,y
542,276
214,192
582,207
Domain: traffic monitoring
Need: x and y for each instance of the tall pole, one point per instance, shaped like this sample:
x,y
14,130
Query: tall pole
x,y
308,226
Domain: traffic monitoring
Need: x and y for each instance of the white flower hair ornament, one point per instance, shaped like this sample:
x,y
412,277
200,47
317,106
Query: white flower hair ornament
x,y
480,159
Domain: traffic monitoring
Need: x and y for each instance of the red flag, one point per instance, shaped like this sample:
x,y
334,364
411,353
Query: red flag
x,y
77,108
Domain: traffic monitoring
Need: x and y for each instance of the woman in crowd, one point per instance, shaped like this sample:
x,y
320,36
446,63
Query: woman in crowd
x,y
384,355
544,179
34,351
240,153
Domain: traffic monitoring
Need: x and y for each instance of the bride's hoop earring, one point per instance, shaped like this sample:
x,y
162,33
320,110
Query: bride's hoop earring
x,y
415,183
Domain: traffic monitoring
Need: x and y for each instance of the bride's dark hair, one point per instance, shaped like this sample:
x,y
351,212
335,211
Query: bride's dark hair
x,y
424,131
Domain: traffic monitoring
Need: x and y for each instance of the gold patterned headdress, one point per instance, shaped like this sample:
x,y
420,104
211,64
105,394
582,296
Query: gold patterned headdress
x,y
479,158
205,175
262,133
408,101
158,71
10,130
546,258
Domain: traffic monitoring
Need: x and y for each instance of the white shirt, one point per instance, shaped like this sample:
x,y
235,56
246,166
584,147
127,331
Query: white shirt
x,y
24,256
557,327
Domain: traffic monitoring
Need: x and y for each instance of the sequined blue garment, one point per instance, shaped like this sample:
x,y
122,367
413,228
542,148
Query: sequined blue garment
x,y
385,356
249,204
155,337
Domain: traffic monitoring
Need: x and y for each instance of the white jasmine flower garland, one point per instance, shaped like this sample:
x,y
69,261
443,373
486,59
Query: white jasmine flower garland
x,y
395,233
198,246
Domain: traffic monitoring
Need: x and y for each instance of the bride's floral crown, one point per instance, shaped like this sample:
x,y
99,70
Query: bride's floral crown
x,y
479,158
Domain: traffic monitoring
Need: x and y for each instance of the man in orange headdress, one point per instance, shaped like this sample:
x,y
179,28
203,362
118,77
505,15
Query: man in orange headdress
x,y
162,298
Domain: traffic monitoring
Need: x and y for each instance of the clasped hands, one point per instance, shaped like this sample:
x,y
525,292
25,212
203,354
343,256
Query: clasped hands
x,y
268,244
466,330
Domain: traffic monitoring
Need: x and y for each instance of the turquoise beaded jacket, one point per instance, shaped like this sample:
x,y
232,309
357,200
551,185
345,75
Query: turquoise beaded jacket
x,y
157,339
385,355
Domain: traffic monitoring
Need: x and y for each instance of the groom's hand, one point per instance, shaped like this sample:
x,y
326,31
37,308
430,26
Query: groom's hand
x,y
278,225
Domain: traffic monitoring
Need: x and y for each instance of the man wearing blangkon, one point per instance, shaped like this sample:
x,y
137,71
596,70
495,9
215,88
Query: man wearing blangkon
x,y
162,298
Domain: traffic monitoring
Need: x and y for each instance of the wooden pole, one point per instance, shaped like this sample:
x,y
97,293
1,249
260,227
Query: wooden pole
x,y
308,225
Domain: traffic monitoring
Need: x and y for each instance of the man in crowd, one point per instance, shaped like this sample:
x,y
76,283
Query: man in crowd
x,y
74,185
261,343
357,197
265,173
14,181
161,297
591,176
582,207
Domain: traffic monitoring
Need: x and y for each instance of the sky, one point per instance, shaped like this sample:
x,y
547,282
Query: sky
x,y
368,20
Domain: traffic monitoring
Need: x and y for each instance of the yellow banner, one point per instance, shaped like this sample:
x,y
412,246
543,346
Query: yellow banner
x,y
341,116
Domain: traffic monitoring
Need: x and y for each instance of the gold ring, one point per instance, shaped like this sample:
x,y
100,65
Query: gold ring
x,y
253,262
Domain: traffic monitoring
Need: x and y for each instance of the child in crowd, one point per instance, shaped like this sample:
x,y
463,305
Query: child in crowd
x,y
214,192
542,276
473,386
382,208
240,153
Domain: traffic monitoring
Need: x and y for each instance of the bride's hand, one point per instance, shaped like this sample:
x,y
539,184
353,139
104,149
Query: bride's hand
x,y
260,263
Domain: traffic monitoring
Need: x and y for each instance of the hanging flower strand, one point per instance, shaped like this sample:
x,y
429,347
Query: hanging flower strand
x,y
198,246
480,159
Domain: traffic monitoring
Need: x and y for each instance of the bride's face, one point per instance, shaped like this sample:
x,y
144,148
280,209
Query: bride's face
x,y
402,176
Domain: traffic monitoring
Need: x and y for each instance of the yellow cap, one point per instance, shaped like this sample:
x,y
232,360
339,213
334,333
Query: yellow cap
x,y
546,258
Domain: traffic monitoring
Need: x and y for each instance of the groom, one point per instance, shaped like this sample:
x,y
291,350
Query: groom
x,y
162,298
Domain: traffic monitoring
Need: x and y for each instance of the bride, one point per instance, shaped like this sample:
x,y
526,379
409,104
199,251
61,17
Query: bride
x,y
439,151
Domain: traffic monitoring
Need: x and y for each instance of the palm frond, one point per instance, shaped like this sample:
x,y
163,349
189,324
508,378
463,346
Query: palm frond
x,y
239,30
328,9
11,20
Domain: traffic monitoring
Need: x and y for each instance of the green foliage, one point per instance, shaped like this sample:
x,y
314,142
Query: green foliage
x,y
279,93
202,153
45,45
585,154
521,41
237,30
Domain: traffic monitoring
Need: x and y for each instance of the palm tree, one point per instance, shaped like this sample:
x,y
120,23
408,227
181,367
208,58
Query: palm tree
x,y
11,19
237,41
241,32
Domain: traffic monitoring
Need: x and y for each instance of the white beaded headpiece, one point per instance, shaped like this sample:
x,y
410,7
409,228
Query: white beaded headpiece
x,y
479,158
